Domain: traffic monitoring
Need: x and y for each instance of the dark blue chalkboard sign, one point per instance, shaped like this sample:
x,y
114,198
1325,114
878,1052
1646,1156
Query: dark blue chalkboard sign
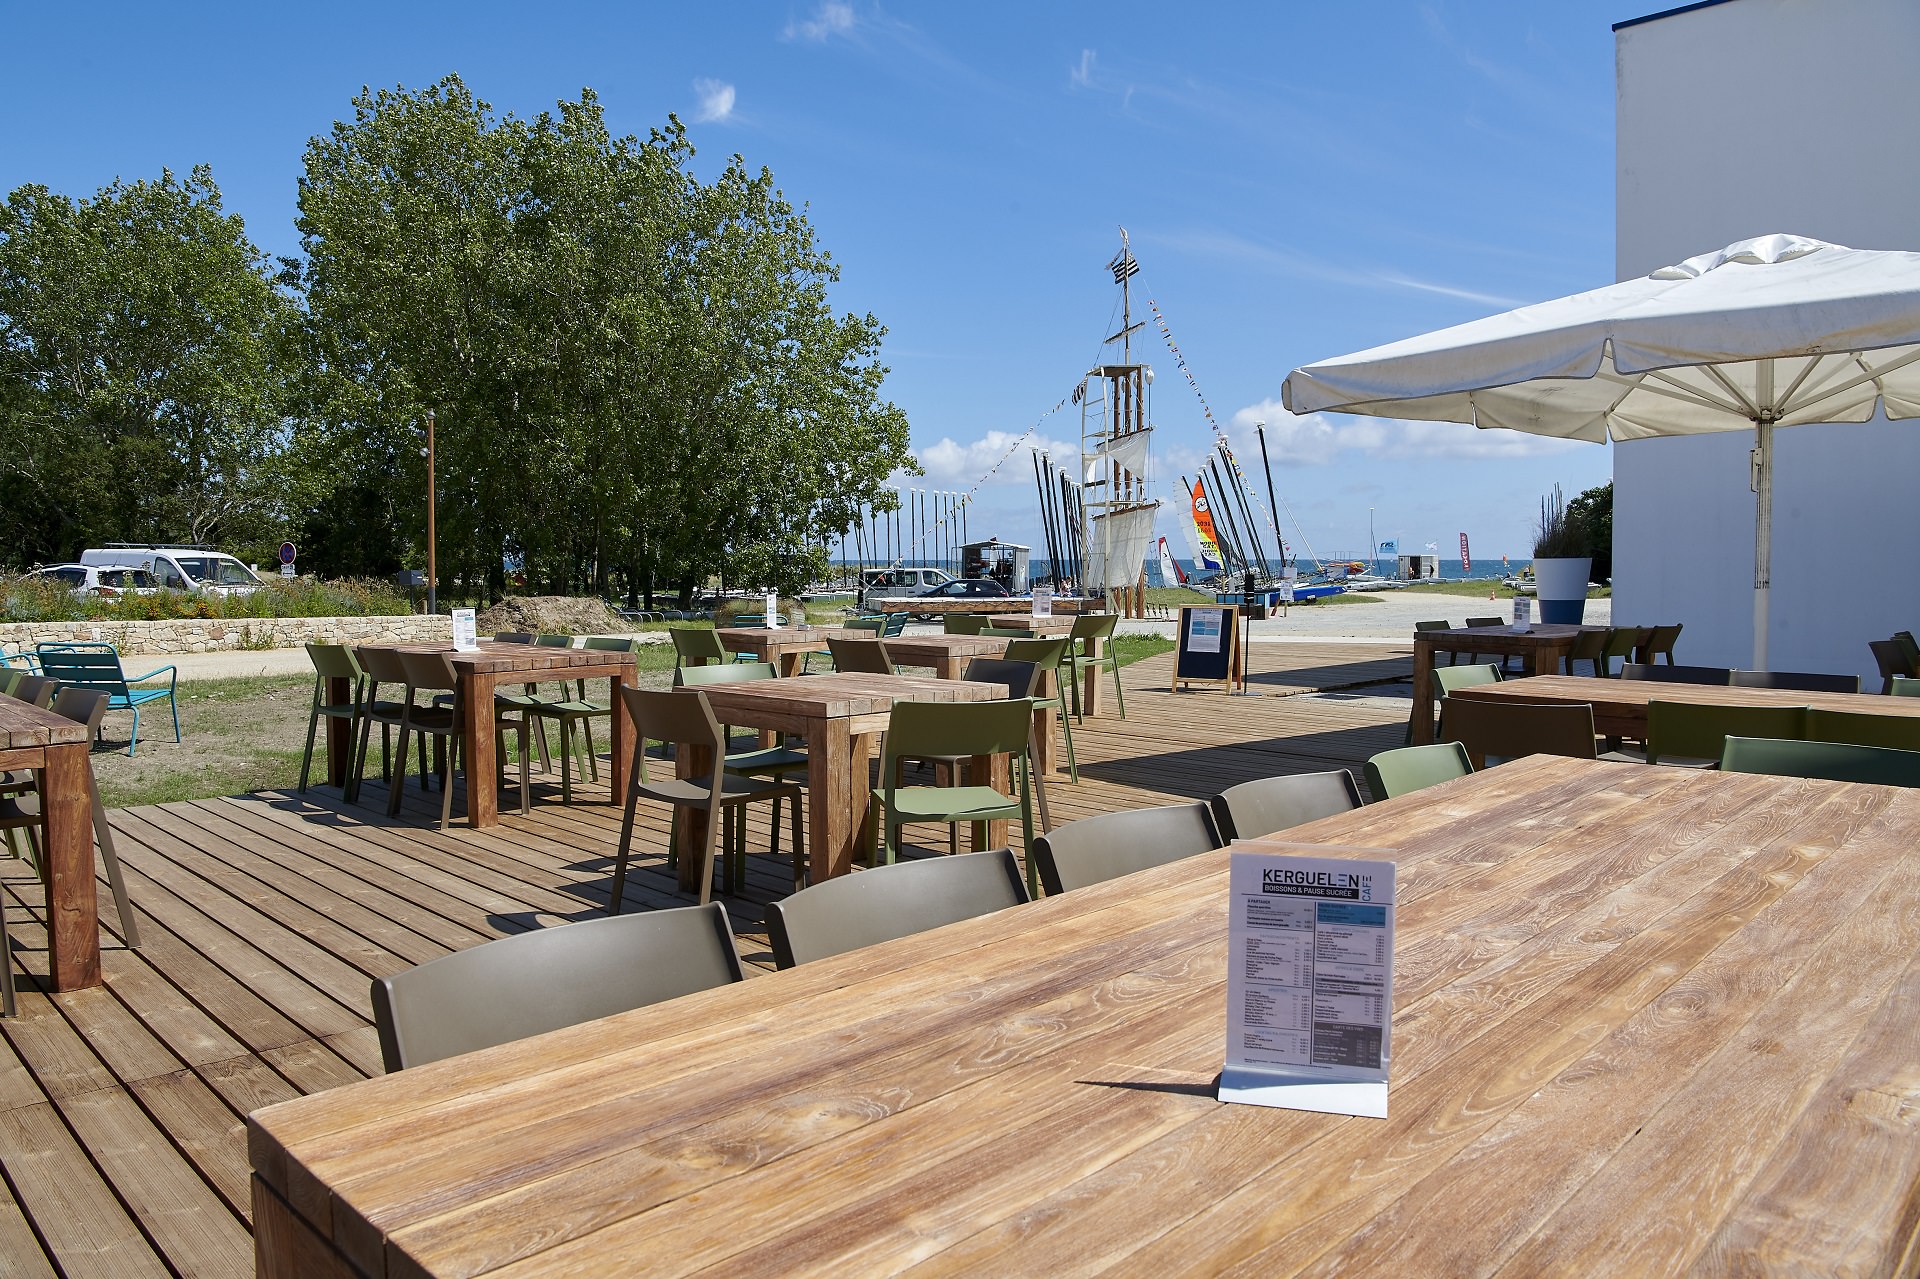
x,y
1209,645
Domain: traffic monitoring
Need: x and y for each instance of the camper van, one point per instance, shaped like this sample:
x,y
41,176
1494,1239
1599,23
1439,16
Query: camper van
x,y
199,569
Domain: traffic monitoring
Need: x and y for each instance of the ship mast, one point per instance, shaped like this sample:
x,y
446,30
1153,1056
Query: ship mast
x,y
1115,435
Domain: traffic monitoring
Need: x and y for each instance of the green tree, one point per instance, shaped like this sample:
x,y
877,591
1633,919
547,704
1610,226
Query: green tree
x,y
1592,514
145,360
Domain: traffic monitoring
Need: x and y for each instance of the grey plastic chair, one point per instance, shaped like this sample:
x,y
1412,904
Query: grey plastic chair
x,y
1668,673
897,900
1411,768
1798,681
1269,804
533,982
1095,849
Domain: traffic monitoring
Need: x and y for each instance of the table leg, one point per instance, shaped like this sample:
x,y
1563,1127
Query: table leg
x,y
483,803
1043,725
997,772
691,760
1422,715
1090,691
624,733
836,797
339,732
73,911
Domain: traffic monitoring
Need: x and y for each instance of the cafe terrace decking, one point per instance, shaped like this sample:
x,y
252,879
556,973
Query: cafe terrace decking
x,y
265,916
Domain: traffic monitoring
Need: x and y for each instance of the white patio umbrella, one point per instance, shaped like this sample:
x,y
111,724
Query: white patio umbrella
x,y
1775,331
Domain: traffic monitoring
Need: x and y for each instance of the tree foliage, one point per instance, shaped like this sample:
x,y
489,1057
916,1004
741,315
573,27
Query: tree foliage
x,y
1592,514
145,361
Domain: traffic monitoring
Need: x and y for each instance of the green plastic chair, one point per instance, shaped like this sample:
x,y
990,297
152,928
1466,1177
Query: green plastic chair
x,y
702,643
1446,679
1692,734
1904,686
1834,761
752,759
1623,642
963,623
1438,624
330,662
1901,732
922,730
1589,647
1095,626
1399,772
1050,655
575,711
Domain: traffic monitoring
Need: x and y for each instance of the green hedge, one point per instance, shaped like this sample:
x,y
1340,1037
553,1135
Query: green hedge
x,y
39,600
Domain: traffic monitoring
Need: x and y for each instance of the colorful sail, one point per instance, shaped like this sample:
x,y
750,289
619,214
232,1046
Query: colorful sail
x,y
1209,560
1171,574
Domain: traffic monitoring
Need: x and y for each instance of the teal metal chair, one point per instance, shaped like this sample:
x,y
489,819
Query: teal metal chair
x,y
1399,772
97,666
1835,761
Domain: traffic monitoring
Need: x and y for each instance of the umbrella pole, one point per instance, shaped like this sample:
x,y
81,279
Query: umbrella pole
x,y
1762,536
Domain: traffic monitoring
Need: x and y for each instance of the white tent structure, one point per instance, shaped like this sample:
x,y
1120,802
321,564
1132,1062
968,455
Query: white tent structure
x,y
1775,331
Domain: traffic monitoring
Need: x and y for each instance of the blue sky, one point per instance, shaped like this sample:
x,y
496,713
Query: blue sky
x,y
1299,181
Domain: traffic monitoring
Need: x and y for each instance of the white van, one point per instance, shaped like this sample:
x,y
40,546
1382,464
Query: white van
x,y
180,567
892,583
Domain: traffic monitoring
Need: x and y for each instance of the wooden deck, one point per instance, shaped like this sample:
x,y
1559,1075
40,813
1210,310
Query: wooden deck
x,y
264,916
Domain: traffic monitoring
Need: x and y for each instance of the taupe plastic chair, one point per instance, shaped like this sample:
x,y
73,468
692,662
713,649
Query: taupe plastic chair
x,y
1623,642
964,623
865,656
434,673
879,905
1270,804
1668,673
1892,660
1589,647
1835,761
1448,678
382,666
1411,768
1659,643
538,981
36,689
332,661
1798,681
1438,624
1095,849
1503,730
683,719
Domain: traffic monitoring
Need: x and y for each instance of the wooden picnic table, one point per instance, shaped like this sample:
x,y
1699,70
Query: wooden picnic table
x,y
1620,705
56,748
839,715
1543,645
980,604
481,674
1646,1020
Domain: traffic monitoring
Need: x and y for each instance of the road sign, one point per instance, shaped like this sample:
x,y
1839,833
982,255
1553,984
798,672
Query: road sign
x,y
287,552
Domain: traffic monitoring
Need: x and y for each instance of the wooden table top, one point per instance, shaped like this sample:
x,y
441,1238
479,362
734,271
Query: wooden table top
x,y
1634,694
1481,637
24,726
1645,1019
494,656
840,695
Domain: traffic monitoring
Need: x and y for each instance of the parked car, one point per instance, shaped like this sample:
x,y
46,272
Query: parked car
x,y
962,588
200,569
103,580
895,583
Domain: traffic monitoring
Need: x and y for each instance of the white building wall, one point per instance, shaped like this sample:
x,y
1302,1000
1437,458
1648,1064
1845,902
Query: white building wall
x,y
1739,119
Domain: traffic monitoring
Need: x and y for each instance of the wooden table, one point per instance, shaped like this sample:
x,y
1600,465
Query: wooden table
x,y
1645,1020
56,748
1543,646
839,715
1620,705
978,604
483,672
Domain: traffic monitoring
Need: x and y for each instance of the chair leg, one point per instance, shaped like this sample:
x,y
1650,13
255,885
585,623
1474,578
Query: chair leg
x,y
626,836
399,783
306,760
799,850
1046,811
110,859
1119,694
443,747
566,763
174,703
593,764
134,741
1066,731
7,1006
711,842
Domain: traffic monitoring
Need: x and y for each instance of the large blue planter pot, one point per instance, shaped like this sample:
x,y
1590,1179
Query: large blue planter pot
x,y
1562,587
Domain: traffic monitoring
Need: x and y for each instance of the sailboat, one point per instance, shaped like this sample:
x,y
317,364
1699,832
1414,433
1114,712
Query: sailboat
x,y
1117,508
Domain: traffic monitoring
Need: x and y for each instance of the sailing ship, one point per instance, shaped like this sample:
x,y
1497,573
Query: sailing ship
x,y
1117,508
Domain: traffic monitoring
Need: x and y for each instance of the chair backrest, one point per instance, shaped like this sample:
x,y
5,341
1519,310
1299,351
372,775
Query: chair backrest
x,y
10,676
1435,624
1268,804
1448,678
1094,626
1693,730
1095,849
679,718
1904,686
1663,673
1512,730
1800,681
1021,678
83,706
919,729
542,980
867,656
896,623
1910,647
553,641
430,671
963,623
1412,768
729,673
611,644
334,661
1660,643
37,689
84,665
1892,661
1835,761
1901,732
382,665
874,624
1588,646
897,900
1474,623
1046,652
697,642
1623,640
1006,632
513,637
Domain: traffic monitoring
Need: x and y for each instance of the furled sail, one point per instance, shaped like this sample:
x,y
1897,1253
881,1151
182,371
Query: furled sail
x,y
1117,546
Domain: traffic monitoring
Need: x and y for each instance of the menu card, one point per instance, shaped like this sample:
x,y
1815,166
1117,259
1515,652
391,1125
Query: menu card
x,y
464,640
1043,601
772,616
1309,981
1522,614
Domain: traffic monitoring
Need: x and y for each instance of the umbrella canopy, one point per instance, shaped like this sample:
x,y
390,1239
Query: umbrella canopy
x,y
1775,331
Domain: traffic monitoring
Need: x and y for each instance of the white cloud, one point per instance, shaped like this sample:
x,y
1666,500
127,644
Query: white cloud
x,y
716,100
831,18
1082,75
952,464
1321,437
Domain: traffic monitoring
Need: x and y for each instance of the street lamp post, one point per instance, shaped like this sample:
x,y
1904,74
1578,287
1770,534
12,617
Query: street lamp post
x,y
433,579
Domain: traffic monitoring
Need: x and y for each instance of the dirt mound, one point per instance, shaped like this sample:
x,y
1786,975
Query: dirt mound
x,y
551,615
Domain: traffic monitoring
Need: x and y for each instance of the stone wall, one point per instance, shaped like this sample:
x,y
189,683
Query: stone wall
x,y
207,635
